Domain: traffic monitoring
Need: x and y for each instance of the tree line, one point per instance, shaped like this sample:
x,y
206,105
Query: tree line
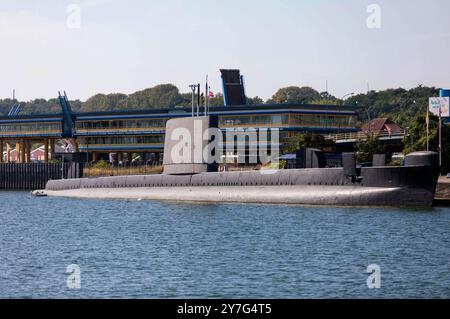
x,y
405,107
400,105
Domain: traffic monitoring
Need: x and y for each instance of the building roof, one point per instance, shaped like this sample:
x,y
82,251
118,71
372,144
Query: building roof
x,y
338,109
345,109
381,124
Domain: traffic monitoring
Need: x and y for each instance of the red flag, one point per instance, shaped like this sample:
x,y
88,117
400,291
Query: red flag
x,y
211,94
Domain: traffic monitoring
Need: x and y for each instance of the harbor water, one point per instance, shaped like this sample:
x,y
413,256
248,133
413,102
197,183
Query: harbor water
x,y
150,249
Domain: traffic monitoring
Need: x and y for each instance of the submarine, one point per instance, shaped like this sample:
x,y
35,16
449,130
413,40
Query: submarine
x,y
197,179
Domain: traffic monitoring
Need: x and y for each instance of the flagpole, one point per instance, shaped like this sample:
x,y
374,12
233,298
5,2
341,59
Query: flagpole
x,y
209,98
198,99
440,136
206,96
428,128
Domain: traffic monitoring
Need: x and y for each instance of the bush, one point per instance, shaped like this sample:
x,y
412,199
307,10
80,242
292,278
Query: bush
x,y
273,165
102,164
307,140
396,162
365,149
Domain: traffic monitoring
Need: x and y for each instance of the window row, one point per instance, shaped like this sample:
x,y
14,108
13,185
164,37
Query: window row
x,y
121,124
254,120
30,128
285,120
129,140
321,120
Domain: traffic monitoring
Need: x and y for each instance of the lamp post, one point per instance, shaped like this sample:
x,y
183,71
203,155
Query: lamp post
x,y
369,119
342,103
427,119
357,105
193,87
349,94
408,132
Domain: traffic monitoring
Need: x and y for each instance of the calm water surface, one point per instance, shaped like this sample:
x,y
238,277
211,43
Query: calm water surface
x,y
144,249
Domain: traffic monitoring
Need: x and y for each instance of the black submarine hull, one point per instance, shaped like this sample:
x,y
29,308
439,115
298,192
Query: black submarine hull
x,y
413,185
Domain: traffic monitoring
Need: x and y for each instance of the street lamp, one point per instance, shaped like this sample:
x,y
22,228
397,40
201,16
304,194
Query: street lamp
x,y
408,133
193,87
349,94
356,107
368,118
342,103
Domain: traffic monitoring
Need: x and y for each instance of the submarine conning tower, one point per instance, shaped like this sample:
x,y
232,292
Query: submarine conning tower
x,y
422,159
184,145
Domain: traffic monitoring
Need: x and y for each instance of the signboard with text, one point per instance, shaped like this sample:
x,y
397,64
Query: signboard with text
x,y
440,103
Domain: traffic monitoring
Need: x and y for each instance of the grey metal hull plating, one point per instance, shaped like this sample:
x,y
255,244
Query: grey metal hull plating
x,y
375,186
302,195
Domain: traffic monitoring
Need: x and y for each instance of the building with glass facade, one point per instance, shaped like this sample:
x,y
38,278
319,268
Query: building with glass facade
x,y
143,131
129,132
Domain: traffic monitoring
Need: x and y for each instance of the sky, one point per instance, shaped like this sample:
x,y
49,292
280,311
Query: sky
x,y
121,46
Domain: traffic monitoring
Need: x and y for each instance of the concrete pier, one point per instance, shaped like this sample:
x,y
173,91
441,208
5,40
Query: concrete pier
x,y
443,192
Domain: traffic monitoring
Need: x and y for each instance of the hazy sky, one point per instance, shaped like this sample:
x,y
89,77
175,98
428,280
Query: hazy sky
x,y
125,46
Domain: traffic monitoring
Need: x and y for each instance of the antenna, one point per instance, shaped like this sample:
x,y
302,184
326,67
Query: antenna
x,y
198,98
206,96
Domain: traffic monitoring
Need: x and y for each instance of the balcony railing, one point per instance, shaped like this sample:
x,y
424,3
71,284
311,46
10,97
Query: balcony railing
x,y
358,136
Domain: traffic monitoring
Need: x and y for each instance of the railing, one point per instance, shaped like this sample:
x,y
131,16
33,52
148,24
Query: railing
x,y
121,130
363,135
122,145
292,125
22,133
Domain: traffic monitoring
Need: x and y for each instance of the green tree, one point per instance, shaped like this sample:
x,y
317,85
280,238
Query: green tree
x,y
102,102
295,94
255,100
40,106
160,96
416,139
217,100
307,140
327,99
399,105
366,148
